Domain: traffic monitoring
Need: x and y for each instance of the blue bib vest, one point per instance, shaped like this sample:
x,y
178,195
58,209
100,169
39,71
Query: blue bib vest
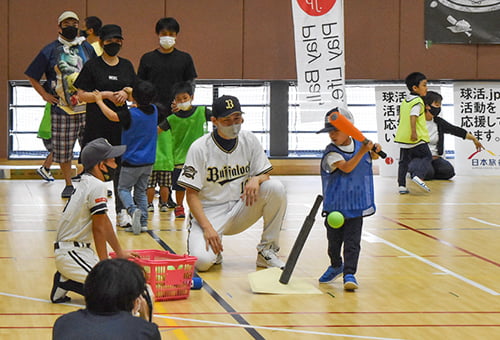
x,y
349,193
140,138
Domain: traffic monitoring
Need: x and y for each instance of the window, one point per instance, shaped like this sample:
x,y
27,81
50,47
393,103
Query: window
x,y
26,111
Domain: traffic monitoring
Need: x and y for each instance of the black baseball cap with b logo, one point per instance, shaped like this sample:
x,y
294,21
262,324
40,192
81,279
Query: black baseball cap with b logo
x,y
225,105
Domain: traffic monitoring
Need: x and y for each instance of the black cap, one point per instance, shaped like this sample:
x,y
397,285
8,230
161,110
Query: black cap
x,y
110,31
329,127
99,150
225,105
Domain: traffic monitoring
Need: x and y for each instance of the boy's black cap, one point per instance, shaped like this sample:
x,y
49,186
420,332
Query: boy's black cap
x,y
225,105
329,127
110,31
99,150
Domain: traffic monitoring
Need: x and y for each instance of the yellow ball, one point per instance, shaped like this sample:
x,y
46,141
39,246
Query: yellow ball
x,y
335,219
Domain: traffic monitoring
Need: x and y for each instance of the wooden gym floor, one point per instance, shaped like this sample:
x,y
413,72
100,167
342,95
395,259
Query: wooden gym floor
x,y
429,268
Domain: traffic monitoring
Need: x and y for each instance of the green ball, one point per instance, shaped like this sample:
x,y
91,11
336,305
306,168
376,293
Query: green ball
x,y
335,219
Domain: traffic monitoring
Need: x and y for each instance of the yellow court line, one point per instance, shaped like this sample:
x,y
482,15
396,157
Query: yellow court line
x,y
179,333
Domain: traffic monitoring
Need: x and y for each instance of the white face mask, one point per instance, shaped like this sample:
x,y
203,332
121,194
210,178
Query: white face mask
x,y
167,42
184,106
231,131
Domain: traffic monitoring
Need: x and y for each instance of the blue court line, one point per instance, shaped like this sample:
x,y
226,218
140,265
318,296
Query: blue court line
x,y
223,303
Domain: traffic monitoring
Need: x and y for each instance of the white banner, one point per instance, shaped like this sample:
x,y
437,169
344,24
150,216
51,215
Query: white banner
x,y
388,99
477,107
319,50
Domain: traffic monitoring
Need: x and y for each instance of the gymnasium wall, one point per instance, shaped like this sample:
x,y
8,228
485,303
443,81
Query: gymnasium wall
x,y
246,39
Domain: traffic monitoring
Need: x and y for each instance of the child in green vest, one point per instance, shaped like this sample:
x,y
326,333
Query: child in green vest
x,y
161,175
412,134
187,123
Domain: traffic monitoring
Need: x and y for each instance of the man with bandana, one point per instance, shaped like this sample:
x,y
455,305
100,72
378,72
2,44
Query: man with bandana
x,y
438,127
60,62
84,219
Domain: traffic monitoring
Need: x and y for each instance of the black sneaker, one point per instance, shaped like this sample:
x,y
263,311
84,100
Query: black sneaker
x,y
58,295
170,203
68,191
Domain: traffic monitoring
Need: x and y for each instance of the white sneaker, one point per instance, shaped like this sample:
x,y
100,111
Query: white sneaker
x,y
123,219
267,258
218,259
403,190
45,174
420,183
144,229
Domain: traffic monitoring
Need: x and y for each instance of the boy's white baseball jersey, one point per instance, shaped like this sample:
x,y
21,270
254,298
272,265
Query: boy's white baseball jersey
x,y
220,177
73,255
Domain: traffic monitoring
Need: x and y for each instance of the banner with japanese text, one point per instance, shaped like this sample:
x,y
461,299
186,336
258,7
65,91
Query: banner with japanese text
x,y
477,106
387,102
319,49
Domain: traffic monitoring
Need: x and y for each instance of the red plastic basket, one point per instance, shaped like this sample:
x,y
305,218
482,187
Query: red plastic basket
x,y
169,275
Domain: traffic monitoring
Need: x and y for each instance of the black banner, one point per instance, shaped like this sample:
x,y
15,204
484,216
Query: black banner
x,y
462,22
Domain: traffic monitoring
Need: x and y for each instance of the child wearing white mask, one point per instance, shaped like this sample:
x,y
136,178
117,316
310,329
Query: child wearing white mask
x,y
186,125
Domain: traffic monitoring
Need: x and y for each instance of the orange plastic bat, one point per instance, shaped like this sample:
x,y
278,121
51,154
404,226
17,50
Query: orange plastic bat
x,y
343,124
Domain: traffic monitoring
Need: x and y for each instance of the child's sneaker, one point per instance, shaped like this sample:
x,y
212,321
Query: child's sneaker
x,y
45,174
331,274
151,207
163,207
68,191
267,258
170,202
58,295
144,228
420,183
350,282
136,221
123,219
403,191
179,212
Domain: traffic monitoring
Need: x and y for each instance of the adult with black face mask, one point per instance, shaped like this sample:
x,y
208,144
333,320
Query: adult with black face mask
x,y
438,127
113,77
85,218
60,62
90,30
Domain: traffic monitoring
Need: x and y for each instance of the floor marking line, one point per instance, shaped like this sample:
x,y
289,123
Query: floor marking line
x,y
484,222
432,264
442,241
40,300
222,303
277,329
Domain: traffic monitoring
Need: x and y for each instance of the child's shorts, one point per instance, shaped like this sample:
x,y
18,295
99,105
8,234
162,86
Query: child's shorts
x,y
160,178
